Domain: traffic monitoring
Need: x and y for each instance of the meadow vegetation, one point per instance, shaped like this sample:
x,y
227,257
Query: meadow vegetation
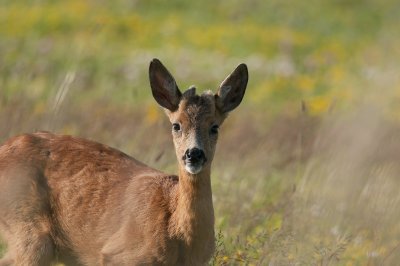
x,y
306,171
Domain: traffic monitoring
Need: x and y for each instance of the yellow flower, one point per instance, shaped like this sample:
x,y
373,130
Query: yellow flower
x,y
318,105
152,114
305,83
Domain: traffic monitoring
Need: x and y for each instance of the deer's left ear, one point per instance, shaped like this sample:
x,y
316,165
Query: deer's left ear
x,y
232,89
163,86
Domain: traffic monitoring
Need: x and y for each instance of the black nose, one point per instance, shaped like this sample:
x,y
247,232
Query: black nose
x,y
194,155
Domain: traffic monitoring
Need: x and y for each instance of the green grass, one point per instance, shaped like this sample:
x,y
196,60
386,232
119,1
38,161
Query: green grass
x,y
316,186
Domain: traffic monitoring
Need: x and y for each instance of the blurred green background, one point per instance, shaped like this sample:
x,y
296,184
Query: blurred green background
x,y
306,171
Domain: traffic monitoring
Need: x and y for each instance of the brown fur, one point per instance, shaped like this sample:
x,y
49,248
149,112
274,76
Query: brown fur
x,y
79,202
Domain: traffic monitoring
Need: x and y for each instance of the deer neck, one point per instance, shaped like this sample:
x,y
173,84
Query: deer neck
x,y
193,216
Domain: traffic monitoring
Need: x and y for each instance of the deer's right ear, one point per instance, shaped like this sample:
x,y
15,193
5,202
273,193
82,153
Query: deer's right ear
x,y
163,86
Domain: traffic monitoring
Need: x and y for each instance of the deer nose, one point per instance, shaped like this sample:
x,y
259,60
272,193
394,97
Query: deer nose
x,y
195,155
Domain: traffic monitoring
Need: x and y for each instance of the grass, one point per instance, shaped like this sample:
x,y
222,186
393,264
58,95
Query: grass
x,y
306,169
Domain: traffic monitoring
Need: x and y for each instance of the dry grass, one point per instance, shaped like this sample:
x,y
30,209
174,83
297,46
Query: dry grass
x,y
309,191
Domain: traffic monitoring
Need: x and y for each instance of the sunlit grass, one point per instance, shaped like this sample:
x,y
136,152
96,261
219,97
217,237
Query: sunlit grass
x,y
288,61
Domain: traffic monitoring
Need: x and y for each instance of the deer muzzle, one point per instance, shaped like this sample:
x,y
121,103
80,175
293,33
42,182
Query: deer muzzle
x,y
194,159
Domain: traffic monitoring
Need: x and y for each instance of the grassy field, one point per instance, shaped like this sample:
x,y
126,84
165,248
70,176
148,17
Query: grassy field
x,y
306,171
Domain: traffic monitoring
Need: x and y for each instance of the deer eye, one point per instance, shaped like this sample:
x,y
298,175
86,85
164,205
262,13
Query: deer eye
x,y
176,127
214,129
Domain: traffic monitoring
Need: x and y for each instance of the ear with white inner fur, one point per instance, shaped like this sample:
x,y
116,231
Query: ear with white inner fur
x,y
232,89
163,86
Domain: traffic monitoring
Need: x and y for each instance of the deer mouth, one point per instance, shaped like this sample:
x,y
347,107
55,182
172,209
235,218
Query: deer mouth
x,y
194,167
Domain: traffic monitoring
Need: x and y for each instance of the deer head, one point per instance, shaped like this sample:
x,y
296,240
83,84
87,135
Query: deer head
x,y
195,118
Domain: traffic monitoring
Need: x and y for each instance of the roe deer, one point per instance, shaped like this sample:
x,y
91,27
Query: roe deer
x,y
78,202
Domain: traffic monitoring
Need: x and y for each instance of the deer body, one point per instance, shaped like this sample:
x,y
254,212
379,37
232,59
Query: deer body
x,y
79,202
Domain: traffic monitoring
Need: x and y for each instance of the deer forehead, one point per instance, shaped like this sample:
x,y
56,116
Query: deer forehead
x,y
196,110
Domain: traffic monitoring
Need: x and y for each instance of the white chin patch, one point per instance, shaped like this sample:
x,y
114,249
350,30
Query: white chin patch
x,y
193,169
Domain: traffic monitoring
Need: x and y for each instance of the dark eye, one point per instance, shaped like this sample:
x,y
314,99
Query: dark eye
x,y
176,127
214,129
